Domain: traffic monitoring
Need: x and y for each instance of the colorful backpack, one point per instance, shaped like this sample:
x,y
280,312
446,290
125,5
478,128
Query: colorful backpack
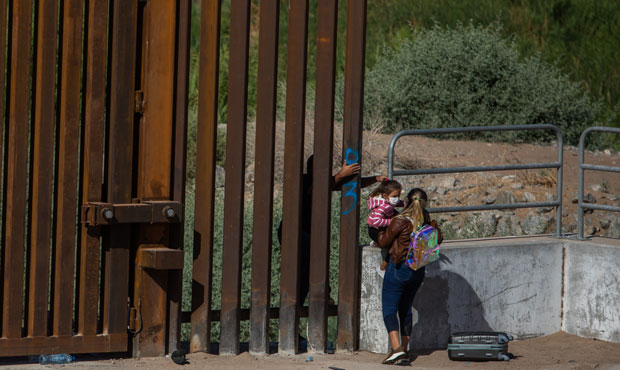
x,y
423,247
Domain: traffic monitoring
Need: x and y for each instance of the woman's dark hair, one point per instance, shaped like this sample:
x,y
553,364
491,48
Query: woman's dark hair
x,y
386,187
416,193
414,210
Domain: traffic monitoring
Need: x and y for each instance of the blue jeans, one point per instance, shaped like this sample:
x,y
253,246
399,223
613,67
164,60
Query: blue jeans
x,y
400,285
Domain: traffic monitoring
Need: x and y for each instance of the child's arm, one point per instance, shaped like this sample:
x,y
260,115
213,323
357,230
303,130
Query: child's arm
x,y
378,217
387,236
347,171
369,180
344,174
377,221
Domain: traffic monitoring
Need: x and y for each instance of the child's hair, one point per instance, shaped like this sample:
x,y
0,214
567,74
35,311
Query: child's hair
x,y
386,187
416,202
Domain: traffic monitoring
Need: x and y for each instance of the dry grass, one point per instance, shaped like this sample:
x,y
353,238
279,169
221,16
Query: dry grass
x,y
542,178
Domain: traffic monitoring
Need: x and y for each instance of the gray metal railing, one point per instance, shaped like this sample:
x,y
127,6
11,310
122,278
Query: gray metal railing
x,y
584,166
559,164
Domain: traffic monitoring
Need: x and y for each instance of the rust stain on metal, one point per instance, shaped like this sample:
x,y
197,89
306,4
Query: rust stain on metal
x,y
16,171
205,174
264,167
155,168
293,167
321,192
349,279
94,130
119,176
235,175
137,208
68,160
43,155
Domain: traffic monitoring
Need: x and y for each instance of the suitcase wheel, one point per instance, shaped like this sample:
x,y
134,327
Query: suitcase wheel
x,y
502,357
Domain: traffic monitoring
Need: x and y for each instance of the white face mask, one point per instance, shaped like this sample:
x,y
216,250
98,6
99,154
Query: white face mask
x,y
394,200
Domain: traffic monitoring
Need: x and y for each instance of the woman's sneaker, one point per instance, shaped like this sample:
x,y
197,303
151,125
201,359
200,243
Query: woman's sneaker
x,y
395,355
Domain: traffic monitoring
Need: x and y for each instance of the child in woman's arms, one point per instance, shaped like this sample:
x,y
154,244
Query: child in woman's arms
x,y
381,203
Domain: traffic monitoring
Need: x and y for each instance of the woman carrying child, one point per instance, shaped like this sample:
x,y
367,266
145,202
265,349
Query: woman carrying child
x,y
401,283
381,203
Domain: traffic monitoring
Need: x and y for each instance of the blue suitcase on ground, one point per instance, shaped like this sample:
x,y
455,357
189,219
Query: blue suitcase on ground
x,y
479,346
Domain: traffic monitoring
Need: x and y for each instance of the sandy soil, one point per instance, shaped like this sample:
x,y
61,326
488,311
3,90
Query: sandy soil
x,y
421,152
556,351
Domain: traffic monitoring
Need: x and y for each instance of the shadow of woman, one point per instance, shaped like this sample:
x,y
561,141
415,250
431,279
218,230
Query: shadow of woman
x,y
446,303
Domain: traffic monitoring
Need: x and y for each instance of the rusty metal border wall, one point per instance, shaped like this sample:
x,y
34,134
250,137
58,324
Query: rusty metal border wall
x,y
290,309
94,146
92,189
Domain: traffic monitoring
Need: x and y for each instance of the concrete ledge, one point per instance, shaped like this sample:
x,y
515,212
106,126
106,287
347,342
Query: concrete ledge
x,y
514,285
592,289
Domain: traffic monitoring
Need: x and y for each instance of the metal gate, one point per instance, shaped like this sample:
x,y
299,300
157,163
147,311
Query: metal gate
x,y
94,150
93,174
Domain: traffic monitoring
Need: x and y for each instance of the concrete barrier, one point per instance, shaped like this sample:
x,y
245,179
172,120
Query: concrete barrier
x,y
592,289
515,285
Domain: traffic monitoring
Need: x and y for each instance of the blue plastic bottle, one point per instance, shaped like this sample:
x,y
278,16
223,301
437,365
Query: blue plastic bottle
x,y
62,358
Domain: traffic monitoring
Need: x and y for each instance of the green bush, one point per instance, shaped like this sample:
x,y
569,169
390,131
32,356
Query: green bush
x,y
471,76
578,36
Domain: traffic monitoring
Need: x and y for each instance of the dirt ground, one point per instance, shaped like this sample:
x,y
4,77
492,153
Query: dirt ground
x,y
413,152
421,152
556,351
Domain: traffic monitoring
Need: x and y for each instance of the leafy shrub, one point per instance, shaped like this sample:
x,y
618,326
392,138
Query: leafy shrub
x,y
471,76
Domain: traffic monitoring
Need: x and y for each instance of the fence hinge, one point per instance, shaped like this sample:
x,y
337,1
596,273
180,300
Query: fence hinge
x,y
131,325
151,212
139,101
134,317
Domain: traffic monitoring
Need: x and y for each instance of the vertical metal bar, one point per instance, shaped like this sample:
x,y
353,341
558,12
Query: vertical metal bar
x,y
206,133
16,172
3,124
43,156
94,126
391,155
263,188
120,156
558,211
235,179
175,277
582,141
321,192
155,168
348,289
68,159
293,166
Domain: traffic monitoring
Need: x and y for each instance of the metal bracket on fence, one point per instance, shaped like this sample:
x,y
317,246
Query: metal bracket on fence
x,y
139,101
151,212
581,205
559,165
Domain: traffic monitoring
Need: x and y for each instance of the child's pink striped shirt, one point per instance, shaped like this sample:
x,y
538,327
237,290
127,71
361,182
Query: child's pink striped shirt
x,y
381,212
